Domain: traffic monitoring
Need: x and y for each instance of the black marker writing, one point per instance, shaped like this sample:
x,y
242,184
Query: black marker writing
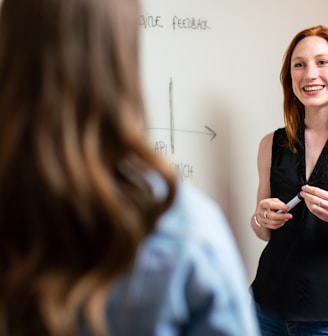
x,y
189,23
150,21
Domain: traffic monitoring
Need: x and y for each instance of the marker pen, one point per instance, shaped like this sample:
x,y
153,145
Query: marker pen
x,y
292,203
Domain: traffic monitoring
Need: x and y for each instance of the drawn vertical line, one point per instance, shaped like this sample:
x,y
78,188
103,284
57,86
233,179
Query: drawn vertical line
x,y
171,115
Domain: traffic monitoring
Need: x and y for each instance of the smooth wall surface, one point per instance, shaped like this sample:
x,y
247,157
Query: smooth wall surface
x,y
210,71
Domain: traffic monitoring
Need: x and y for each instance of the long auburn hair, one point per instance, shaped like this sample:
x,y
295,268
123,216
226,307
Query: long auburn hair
x,y
75,199
294,112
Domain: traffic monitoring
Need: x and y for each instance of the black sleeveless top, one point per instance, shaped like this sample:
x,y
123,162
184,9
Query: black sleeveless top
x,y
292,276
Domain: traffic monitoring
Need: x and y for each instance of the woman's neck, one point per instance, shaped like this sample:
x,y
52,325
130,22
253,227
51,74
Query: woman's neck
x,y
316,120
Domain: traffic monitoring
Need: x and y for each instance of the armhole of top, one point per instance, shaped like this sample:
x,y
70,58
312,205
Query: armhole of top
x,y
277,138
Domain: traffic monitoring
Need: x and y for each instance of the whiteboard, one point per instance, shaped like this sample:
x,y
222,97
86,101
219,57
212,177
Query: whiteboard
x,y
210,75
180,57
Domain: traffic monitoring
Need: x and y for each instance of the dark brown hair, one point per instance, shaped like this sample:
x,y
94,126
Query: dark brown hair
x,y
293,109
75,200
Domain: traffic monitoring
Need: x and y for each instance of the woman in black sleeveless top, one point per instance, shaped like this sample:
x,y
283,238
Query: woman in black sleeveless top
x,y
291,284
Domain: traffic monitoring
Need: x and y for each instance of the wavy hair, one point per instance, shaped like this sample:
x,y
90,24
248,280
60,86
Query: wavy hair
x,y
294,112
75,200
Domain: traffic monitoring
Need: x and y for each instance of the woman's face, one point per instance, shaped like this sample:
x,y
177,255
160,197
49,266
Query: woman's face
x,y
309,71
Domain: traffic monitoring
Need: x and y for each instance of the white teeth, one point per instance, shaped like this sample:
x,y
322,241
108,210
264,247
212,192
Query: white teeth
x,y
313,88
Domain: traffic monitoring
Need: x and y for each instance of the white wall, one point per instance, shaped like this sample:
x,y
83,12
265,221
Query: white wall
x,y
226,77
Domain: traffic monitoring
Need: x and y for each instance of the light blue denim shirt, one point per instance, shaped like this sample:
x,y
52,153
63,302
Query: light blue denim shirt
x,y
188,278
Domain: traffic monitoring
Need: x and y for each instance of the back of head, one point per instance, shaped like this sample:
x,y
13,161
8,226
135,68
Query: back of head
x,y
75,201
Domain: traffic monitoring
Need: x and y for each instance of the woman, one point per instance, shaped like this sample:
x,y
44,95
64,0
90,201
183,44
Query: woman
x,y
290,286
96,235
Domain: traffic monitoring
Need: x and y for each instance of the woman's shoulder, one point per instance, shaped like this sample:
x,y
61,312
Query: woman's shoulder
x,y
268,138
266,141
193,215
192,264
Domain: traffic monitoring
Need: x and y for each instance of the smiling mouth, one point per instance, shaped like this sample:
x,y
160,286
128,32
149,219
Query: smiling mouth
x,y
313,88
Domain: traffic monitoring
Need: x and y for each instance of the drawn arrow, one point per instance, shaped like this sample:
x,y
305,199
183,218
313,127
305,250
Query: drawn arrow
x,y
172,129
210,131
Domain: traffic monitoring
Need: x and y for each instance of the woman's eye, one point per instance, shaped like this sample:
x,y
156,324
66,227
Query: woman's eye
x,y
323,62
298,65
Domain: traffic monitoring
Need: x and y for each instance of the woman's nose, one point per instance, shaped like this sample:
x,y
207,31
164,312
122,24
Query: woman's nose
x,y
311,72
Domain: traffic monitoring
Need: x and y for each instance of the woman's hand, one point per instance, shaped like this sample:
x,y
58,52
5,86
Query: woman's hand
x,y
316,199
267,215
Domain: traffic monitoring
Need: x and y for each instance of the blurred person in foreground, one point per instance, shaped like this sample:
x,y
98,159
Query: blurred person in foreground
x,y
96,235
